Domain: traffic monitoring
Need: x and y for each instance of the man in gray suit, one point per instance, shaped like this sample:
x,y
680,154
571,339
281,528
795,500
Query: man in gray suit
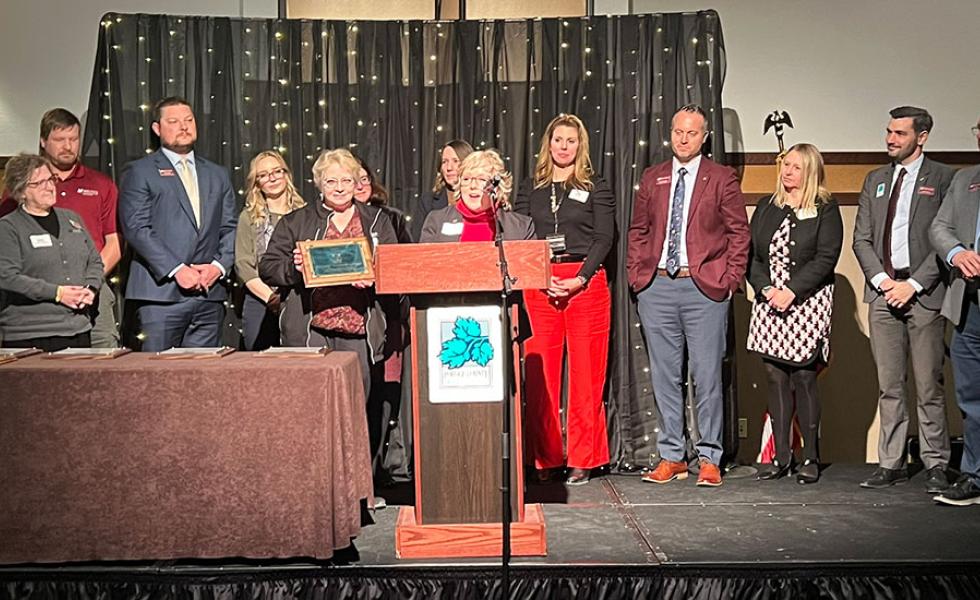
x,y
904,291
178,213
955,234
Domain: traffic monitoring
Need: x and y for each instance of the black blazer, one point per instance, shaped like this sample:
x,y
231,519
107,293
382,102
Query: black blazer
x,y
815,246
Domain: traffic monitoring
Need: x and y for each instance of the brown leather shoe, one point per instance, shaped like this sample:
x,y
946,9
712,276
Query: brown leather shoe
x,y
710,475
667,470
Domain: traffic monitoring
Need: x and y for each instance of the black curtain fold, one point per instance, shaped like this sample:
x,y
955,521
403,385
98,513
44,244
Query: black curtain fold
x,y
396,91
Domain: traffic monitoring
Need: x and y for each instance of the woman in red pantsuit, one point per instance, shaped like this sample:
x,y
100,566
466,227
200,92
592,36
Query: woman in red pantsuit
x,y
574,210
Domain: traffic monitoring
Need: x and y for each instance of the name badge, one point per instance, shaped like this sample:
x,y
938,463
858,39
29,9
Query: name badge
x,y
557,243
41,241
166,173
663,180
578,195
927,191
880,191
452,229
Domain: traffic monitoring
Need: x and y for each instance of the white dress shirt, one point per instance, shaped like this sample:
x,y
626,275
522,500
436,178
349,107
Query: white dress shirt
x,y
690,178
900,225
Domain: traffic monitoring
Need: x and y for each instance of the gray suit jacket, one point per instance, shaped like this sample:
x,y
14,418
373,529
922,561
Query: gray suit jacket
x,y
869,229
158,222
956,225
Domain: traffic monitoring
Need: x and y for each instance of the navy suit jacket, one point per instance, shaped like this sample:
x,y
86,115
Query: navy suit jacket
x,y
158,222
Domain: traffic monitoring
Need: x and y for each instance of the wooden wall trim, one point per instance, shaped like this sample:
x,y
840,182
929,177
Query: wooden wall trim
x,y
855,158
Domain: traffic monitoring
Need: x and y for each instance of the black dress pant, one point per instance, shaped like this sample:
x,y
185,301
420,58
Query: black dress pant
x,y
53,343
789,385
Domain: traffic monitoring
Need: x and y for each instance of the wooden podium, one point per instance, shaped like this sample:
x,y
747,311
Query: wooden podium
x,y
457,449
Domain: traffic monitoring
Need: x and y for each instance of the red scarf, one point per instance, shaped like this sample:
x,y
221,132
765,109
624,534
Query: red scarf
x,y
477,226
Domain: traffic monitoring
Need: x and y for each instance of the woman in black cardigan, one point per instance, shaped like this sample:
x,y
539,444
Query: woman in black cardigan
x,y
796,240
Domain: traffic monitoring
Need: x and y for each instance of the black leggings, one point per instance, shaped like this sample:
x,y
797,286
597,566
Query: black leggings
x,y
785,382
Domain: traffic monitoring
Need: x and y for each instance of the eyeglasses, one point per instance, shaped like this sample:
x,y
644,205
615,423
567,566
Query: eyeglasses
x,y
53,180
364,181
267,175
333,184
975,129
478,181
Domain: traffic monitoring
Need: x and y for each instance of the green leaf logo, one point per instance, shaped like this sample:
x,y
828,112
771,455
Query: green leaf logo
x,y
467,346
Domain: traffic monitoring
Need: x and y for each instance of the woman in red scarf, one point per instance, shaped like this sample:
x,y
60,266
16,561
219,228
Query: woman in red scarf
x,y
484,189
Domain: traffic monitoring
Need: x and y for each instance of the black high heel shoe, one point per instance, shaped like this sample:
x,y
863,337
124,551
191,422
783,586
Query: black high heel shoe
x,y
772,471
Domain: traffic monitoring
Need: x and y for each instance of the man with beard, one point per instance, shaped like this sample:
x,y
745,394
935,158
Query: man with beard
x,y
904,292
954,235
177,211
93,196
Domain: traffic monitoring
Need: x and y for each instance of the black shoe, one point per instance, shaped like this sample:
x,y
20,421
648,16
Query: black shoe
x,y
771,471
578,477
545,476
936,480
883,478
964,493
809,472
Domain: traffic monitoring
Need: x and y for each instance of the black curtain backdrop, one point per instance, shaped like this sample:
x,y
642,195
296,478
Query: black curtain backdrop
x,y
395,92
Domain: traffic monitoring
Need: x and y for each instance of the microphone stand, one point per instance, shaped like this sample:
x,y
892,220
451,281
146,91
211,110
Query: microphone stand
x,y
505,490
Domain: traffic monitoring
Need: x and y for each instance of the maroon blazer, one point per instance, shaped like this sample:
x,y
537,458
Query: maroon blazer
x,y
717,229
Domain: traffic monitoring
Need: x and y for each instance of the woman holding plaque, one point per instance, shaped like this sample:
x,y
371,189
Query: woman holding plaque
x,y
481,197
267,312
574,210
797,235
347,316
49,268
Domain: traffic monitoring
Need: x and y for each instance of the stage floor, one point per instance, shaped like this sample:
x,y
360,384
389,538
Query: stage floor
x,y
619,520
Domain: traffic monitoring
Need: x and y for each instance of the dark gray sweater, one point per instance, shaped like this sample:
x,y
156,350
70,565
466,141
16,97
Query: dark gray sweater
x,y
33,264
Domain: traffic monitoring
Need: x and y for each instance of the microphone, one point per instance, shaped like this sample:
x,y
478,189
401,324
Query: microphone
x,y
491,188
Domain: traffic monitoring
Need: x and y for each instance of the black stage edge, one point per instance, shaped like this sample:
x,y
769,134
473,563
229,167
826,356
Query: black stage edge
x,y
617,537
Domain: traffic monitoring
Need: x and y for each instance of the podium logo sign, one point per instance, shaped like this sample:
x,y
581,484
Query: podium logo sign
x,y
465,350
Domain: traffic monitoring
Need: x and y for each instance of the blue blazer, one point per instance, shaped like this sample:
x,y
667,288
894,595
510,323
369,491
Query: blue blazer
x,y
158,222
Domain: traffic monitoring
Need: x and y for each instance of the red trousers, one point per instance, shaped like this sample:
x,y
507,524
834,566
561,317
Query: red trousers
x,y
582,322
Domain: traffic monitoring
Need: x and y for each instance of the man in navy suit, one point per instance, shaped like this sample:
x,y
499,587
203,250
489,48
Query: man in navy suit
x,y
178,213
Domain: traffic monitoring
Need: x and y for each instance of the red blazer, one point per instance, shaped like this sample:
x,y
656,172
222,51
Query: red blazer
x,y
717,229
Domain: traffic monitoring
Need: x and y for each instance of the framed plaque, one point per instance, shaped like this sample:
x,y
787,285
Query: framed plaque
x,y
336,262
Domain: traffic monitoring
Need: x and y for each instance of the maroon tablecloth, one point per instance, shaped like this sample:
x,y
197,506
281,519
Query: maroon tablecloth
x,y
140,459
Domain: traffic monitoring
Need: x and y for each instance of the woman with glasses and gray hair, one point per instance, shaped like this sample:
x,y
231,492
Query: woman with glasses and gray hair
x,y
50,271
267,312
341,317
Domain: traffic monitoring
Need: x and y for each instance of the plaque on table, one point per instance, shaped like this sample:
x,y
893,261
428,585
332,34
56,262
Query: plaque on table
x,y
292,352
193,353
336,262
88,353
11,354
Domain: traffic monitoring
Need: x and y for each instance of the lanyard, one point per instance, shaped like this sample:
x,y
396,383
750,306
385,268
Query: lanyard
x,y
556,203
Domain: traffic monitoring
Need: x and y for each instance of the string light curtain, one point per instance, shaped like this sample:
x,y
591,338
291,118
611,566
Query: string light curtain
x,y
395,92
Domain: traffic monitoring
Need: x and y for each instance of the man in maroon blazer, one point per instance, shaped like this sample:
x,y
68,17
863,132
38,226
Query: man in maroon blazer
x,y
688,250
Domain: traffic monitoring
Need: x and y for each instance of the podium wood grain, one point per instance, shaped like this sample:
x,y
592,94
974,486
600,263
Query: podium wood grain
x,y
463,267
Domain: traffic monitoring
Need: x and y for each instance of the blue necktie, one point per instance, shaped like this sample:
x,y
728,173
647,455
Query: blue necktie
x,y
676,221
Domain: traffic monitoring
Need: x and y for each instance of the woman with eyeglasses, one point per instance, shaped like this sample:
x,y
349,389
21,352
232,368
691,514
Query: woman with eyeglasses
x,y
483,190
267,311
574,210
50,271
369,190
342,317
